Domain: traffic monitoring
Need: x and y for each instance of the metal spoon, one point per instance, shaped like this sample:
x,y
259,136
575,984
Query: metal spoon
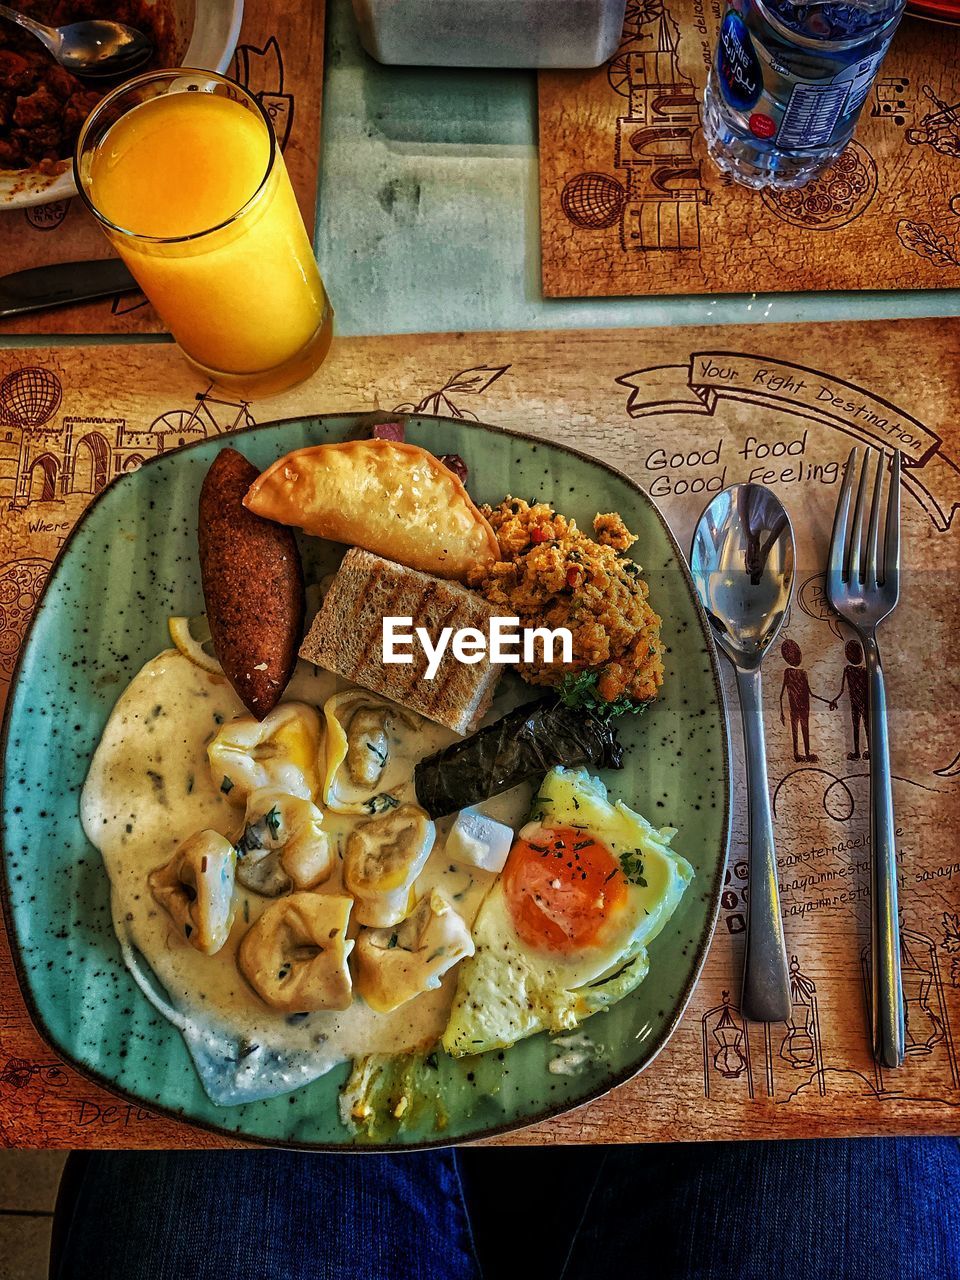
x,y
95,48
743,564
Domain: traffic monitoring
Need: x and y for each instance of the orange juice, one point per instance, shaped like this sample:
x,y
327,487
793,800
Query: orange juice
x,y
197,201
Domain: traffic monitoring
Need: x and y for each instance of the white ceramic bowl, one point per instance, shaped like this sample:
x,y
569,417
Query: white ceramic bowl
x,y
206,33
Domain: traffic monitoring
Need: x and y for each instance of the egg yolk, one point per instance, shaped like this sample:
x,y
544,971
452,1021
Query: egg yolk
x,y
561,886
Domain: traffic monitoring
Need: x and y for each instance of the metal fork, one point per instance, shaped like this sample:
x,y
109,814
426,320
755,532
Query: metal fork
x,y
864,591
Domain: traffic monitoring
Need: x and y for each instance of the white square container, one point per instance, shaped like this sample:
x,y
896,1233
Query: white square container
x,y
490,33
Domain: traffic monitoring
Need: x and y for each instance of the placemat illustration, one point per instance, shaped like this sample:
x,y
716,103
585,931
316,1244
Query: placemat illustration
x,y
630,202
685,412
279,59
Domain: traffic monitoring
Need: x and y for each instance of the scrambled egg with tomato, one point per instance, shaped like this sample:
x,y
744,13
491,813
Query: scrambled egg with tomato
x,y
550,574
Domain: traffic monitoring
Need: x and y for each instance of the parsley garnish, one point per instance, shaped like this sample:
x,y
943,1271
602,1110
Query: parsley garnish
x,y
248,841
380,803
255,834
578,690
393,942
631,864
226,786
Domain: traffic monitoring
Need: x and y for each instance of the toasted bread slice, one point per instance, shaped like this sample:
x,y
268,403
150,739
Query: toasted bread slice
x,y
347,638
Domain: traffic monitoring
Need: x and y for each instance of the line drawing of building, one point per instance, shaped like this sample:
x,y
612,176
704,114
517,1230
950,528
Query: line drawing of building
x,y
77,455
930,1065
801,1045
728,1056
47,458
657,205
654,144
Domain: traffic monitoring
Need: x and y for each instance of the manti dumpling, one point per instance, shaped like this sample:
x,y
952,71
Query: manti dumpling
x,y
283,845
394,965
295,956
359,769
279,751
195,888
383,858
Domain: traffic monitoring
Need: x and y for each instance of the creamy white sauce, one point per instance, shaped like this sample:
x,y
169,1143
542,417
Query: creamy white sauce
x,y
149,787
579,1052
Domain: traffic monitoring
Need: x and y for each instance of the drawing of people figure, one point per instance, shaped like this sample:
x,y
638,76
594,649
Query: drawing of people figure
x,y
797,688
855,682
938,128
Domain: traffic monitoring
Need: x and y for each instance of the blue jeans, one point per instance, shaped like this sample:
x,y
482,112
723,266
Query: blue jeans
x,y
870,1209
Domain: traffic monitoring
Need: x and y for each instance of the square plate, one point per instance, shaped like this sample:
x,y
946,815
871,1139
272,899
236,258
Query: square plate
x,y
130,563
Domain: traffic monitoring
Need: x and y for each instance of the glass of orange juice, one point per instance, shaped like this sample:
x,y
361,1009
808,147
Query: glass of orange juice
x,y
183,172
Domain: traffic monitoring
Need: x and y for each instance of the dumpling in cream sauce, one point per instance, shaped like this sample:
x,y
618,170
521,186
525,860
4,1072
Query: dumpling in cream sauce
x,y
180,756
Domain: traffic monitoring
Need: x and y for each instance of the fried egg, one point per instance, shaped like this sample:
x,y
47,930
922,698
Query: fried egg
x,y
564,931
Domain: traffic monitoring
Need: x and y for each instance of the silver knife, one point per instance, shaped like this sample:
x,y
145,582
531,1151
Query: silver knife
x,y
62,282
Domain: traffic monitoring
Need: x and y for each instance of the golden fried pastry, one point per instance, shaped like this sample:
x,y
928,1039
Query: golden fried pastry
x,y
394,499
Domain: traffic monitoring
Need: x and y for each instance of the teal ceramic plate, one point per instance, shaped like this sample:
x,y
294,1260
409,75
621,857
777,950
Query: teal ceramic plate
x,y
130,563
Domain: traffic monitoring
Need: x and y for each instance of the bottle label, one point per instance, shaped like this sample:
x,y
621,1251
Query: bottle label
x,y
795,96
815,108
738,67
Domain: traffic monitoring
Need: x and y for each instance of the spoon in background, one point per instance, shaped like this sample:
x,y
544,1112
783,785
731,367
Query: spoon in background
x,y
743,565
98,47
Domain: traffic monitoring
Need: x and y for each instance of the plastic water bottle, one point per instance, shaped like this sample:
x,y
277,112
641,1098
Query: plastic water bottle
x,y
787,84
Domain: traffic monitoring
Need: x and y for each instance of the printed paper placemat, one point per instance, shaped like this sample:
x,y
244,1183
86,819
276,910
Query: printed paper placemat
x,y
685,412
630,203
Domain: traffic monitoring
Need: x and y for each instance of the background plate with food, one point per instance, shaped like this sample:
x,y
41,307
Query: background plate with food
x,y
42,107
483,996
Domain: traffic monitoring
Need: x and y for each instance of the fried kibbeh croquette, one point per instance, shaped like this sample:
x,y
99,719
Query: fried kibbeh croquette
x,y
550,574
252,585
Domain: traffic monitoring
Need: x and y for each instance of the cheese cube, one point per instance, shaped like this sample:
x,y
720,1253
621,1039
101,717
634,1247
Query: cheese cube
x,y
479,841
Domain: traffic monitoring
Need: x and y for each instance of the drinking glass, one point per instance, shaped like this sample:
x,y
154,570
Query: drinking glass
x,y
182,171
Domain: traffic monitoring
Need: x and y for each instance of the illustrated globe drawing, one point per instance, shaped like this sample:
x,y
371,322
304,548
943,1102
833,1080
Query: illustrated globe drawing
x,y
30,397
592,200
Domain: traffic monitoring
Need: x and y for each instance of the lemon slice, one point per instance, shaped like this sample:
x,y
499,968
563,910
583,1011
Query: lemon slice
x,y
187,643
